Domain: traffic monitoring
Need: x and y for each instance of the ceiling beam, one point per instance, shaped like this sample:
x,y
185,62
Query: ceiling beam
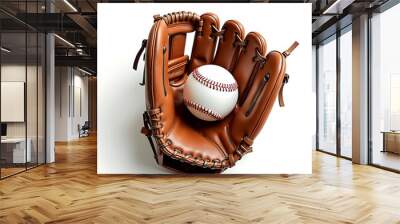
x,y
321,21
332,29
84,24
337,6
83,61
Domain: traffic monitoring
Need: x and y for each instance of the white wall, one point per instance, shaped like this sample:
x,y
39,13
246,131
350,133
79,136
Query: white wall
x,y
62,80
33,127
69,81
283,146
17,72
13,101
10,73
79,117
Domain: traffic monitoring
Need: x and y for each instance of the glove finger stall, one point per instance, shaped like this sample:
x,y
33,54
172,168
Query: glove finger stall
x,y
228,48
252,115
246,64
204,44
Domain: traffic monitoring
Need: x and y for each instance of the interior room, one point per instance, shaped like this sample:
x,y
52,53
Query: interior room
x,y
49,151
22,103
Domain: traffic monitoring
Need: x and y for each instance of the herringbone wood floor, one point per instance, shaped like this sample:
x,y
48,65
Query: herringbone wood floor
x,y
69,191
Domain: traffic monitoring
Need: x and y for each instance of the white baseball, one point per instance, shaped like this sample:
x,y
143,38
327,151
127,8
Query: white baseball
x,y
210,92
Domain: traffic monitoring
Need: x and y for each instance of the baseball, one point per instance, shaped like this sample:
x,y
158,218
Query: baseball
x,y
210,92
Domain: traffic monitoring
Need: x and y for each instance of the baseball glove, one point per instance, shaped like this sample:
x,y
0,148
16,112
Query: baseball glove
x,y
178,139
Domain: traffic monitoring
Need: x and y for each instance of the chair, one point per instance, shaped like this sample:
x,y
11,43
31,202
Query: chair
x,y
84,130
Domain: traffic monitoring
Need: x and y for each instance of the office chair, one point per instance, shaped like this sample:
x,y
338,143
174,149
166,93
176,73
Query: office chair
x,y
84,130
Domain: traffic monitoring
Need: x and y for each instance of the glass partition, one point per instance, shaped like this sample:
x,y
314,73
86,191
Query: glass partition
x,y
13,110
22,67
327,96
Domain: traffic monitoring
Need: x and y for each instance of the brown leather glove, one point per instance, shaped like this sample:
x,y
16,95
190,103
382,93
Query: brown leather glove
x,y
181,141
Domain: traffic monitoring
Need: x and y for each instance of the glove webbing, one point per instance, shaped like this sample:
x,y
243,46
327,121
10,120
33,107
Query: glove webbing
x,y
175,17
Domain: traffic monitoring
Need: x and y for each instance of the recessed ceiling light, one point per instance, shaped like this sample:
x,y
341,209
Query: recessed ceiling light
x,y
5,50
338,6
64,40
84,71
70,5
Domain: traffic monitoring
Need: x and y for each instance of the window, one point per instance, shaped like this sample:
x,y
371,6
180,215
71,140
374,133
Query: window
x,y
385,89
346,92
327,96
334,59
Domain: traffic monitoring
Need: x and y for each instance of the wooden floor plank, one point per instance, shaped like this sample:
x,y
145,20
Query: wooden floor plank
x,y
70,191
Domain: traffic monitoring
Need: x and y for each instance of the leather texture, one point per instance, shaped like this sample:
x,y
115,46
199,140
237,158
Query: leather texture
x,y
179,140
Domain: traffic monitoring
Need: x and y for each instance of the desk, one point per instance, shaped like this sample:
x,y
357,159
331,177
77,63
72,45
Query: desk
x,y
391,141
13,150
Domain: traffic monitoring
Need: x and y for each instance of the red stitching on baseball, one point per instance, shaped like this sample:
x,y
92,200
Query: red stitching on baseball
x,y
202,109
224,87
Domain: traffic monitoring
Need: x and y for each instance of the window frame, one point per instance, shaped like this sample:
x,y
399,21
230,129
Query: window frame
x,y
334,37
